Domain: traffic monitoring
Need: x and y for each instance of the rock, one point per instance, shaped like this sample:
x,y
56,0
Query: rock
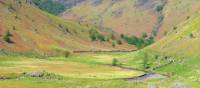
x,y
36,74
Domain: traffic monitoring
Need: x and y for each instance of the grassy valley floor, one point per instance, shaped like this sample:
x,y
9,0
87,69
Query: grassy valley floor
x,y
85,70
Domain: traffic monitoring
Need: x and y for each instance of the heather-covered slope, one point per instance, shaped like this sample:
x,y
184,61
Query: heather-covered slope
x,y
121,16
26,28
133,17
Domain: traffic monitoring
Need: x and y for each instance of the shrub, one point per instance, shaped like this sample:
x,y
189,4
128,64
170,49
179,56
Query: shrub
x,y
159,8
101,37
144,35
67,53
113,44
149,41
139,42
95,35
122,35
115,62
188,17
119,42
191,35
107,39
113,37
7,37
174,28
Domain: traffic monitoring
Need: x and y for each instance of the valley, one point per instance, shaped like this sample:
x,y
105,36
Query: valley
x,y
99,43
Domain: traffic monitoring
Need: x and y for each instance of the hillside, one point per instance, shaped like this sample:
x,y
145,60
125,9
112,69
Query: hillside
x,y
182,47
25,28
133,17
176,12
176,55
120,16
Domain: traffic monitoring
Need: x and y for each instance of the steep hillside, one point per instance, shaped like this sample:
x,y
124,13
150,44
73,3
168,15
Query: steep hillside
x,y
121,16
177,11
25,28
133,17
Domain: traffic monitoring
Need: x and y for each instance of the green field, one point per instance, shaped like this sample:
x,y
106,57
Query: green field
x,y
86,70
75,71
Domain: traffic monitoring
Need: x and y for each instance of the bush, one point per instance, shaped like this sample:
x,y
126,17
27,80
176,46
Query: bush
x,y
7,37
67,53
139,42
115,62
95,35
191,35
122,35
119,42
159,8
174,28
113,44
101,37
144,35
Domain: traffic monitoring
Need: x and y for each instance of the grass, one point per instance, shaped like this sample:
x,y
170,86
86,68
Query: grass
x,y
70,68
67,83
76,72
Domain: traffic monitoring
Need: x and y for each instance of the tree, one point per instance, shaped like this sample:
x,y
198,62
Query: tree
x,y
191,35
139,42
114,62
93,34
113,44
101,37
122,35
7,37
119,42
66,53
144,35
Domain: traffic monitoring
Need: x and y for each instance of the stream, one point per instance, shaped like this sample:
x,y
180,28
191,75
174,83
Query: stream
x,y
147,76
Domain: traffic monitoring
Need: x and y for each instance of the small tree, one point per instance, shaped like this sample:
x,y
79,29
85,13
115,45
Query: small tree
x,y
115,62
122,35
113,44
7,37
144,35
66,53
101,37
119,42
191,35
93,34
